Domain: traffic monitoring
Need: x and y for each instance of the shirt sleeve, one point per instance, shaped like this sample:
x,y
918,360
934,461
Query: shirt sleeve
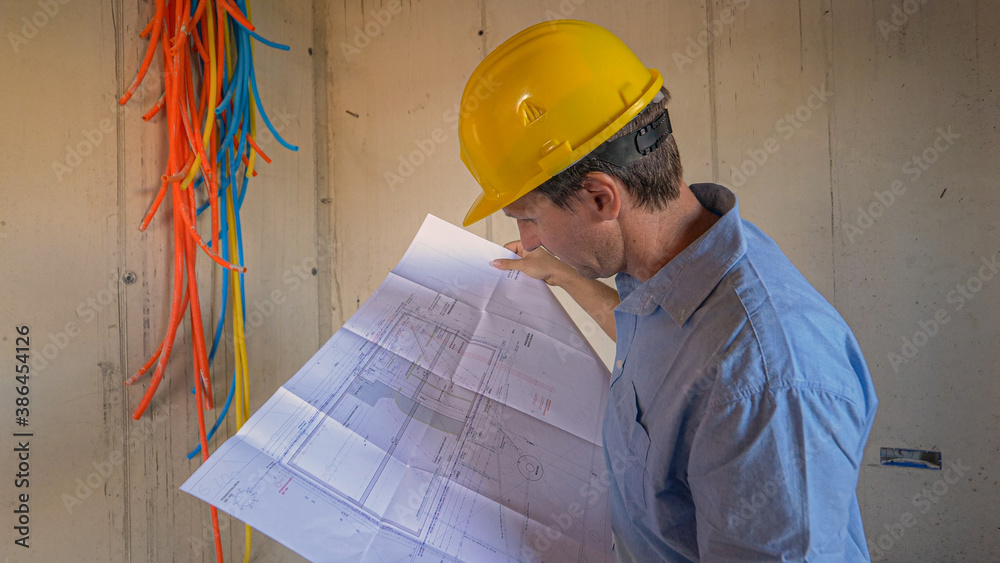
x,y
773,475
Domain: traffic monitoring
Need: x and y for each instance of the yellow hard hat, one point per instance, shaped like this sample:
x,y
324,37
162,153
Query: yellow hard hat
x,y
543,100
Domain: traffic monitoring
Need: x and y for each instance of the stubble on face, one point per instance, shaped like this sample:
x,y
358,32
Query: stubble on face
x,y
567,234
604,251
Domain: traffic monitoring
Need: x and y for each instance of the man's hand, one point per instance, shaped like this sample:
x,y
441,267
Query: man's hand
x,y
538,264
597,299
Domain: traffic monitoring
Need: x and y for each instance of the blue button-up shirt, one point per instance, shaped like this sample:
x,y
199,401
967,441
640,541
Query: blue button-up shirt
x,y
739,409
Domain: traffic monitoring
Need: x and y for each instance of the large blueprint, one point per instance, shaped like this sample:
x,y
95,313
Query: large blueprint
x,y
455,417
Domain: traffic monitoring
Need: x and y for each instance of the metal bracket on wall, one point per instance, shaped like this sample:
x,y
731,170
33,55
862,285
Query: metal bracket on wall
x,y
923,459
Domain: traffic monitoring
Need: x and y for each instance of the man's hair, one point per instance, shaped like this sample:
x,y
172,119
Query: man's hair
x,y
652,180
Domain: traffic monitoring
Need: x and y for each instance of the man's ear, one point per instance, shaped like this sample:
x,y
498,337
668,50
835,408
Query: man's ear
x,y
603,195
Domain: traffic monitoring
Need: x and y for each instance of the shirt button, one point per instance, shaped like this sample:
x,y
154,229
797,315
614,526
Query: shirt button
x,y
620,364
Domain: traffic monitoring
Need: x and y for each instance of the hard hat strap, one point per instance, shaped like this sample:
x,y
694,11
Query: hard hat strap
x,y
636,145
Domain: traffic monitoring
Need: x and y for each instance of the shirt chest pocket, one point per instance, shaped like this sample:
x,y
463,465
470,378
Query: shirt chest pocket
x,y
628,459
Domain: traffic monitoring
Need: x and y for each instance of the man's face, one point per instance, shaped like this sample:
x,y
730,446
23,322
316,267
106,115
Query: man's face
x,y
569,234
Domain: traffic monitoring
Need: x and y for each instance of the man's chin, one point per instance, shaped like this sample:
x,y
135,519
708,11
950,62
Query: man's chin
x,y
588,273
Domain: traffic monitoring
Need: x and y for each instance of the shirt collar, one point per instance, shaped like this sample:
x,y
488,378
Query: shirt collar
x,y
682,284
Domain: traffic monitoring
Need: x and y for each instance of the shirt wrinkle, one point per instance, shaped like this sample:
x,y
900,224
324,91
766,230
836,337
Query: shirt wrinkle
x,y
775,332
756,334
775,388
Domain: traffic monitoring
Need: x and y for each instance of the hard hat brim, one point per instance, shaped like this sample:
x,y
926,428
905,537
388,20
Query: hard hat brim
x,y
482,208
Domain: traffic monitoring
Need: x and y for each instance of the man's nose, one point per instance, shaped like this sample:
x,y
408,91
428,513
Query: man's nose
x,y
529,237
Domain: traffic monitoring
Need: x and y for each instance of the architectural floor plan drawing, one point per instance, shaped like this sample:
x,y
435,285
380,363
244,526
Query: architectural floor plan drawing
x,y
455,417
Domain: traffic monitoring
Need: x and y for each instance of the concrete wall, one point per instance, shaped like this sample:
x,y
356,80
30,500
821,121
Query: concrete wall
x,y
809,110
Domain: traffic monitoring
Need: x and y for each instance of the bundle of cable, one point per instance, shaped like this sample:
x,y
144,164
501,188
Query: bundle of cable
x,y
211,103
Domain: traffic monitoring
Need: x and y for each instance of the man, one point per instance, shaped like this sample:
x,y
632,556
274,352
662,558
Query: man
x,y
740,402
